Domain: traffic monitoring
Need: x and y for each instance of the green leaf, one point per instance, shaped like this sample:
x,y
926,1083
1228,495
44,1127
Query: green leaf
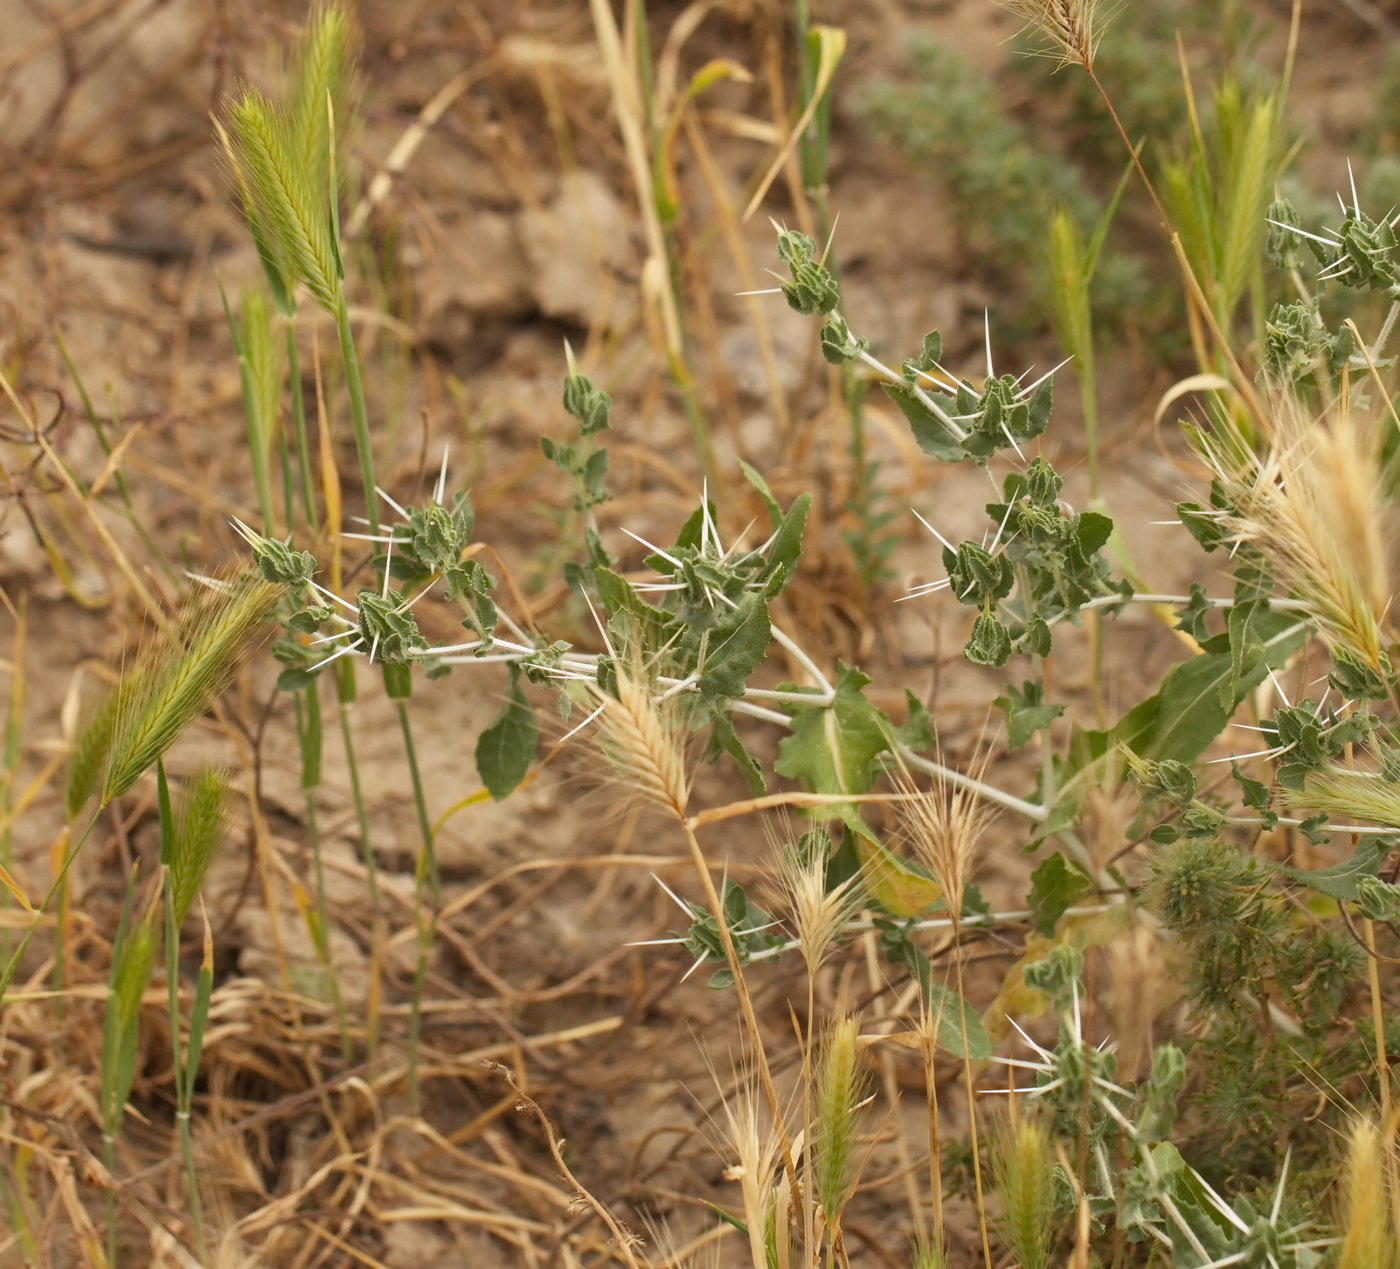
x,y
1246,651
1255,795
787,540
932,434
930,354
917,732
960,1030
831,747
737,642
507,747
755,478
1092,531
724,739
1056,885
1026,712
1187,713
1342,881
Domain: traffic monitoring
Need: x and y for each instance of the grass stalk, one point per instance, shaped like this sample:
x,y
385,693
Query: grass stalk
x,y
426,869
182,1075
359,415
309,737
345,696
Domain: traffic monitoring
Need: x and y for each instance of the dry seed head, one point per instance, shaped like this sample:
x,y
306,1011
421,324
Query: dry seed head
x,y
944,825
1368,1242
1025,1178
182,674
638,739
1373,799
840,1089
1069,26
1312,506
755,1146
1139,987
818,914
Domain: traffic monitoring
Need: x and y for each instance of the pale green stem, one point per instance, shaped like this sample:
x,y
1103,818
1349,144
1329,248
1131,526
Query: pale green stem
x,y
308,489
359,416
426,927
182,1078
367,850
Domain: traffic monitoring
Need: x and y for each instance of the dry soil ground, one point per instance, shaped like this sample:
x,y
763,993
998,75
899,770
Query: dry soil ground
x,y
512,227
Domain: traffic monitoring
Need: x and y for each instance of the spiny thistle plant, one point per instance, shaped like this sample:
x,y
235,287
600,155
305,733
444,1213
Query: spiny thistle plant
x,y
1268,888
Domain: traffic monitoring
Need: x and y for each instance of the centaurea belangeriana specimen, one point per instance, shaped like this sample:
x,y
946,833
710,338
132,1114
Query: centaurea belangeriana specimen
x,y
1312,507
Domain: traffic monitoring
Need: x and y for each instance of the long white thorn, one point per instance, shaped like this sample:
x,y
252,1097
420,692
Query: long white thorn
x,y
440,491
934,531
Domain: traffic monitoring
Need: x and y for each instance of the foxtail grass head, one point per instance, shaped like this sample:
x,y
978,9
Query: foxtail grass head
x,y
638,738
1368,1241
1312,508
283,161
945,826
180,676
1024,1167
322,97
818,912
1070,27
840,1092
200,825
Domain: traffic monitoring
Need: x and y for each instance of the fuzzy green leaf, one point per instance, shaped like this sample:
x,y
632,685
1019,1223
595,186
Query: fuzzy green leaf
x,y
1056,885
506,748
933,434
1342,881
1026,712
831,747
